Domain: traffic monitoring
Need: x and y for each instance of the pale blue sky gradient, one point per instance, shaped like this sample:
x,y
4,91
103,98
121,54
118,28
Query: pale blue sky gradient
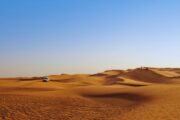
x,y
41,37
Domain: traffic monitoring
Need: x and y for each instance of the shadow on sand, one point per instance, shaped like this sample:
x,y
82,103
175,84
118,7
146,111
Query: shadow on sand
x,y
127,96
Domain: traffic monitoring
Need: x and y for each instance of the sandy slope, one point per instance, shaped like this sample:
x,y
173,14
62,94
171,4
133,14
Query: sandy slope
x,y
137,94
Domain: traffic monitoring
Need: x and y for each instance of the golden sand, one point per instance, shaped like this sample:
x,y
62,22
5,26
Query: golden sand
x,y
139,94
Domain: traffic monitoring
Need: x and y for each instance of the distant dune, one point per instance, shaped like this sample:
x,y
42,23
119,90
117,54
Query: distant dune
x,y
136,94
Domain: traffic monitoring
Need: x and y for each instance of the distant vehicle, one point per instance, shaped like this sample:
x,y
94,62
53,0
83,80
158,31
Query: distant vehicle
x,y
143,68
45,79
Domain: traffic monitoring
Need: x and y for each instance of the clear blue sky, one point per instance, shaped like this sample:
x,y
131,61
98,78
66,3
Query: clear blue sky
x,y
41,37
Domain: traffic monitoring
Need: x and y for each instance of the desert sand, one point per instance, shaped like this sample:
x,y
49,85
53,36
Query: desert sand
x,y
134,94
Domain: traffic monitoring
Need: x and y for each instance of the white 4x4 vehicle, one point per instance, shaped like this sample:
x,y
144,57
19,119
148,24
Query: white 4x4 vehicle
x,y
45,79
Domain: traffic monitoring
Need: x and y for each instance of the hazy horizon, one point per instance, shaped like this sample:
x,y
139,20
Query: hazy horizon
x,y
76,36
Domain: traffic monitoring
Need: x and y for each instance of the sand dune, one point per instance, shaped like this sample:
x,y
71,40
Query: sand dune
x,y
147,76
138,94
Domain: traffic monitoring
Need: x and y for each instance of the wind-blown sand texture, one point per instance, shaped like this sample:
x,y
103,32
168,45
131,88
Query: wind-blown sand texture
x,y
137,94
